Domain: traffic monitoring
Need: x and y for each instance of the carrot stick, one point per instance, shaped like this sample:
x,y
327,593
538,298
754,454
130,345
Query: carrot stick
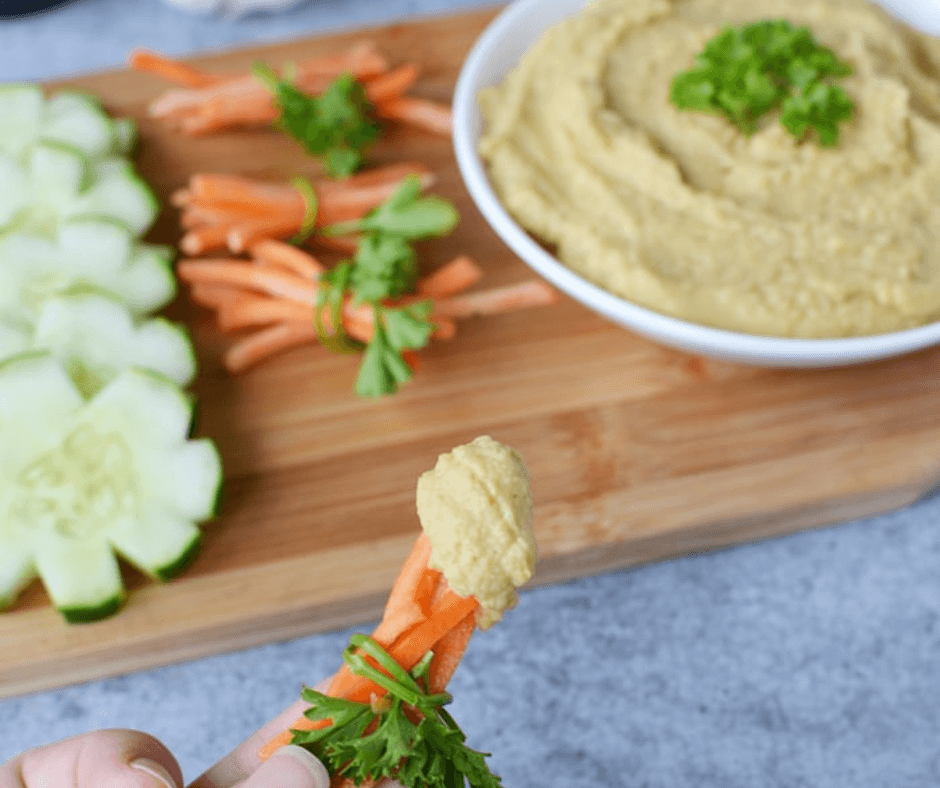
x,y
382,175
181,198
171,70
362,62
391,85
228,112
448,652
208,238
213,296
362,59
424,113
410,647
290,257
342,205
247,234
242,274
451,278
251,311
267,342
198,215
500,299
234,189
408,601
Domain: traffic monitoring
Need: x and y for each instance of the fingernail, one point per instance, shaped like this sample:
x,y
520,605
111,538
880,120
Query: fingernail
x,y
155,770
310,762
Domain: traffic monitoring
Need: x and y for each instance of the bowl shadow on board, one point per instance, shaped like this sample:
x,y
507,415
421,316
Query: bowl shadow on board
x,y
495,53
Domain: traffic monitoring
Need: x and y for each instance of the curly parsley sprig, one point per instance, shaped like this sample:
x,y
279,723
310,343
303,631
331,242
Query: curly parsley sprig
x,y
384,267
748,71
366,741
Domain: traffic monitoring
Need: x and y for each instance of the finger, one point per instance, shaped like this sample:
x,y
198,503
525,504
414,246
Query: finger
x,y
101,759
243,760
289,767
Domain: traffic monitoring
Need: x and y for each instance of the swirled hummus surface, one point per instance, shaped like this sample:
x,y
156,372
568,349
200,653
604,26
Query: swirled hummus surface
x,y
476,508
679,212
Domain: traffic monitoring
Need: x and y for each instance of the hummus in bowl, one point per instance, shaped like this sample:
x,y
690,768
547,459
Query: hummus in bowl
x,y
755,249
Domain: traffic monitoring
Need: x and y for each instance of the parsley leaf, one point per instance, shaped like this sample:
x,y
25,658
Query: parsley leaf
x,y
335,126
431,753
745,72
405,214
385,267
383,368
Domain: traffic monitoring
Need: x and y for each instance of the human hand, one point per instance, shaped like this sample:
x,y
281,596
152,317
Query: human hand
x,y
131,759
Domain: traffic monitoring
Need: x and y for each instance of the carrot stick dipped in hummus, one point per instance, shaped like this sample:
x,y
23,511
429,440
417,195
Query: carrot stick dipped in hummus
x,y
382,715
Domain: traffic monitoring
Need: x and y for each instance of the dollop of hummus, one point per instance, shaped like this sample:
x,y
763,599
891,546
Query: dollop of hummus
x,y
679,212
476,508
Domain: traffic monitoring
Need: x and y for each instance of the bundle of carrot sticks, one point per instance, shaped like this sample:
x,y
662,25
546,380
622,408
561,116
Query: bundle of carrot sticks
x,y
219,211
207,102
275,296
422,614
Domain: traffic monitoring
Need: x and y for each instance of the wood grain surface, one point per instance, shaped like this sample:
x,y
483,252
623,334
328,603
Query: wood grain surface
x,y
637,453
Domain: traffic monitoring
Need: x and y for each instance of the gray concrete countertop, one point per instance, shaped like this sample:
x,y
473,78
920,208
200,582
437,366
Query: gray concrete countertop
x,y
809,661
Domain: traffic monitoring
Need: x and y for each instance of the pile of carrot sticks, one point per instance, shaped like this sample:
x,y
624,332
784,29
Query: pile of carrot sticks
x,y
219,211
274,295
206,102
422,613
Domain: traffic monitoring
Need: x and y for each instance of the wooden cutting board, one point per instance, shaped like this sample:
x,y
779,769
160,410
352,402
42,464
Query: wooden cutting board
x,y
636,452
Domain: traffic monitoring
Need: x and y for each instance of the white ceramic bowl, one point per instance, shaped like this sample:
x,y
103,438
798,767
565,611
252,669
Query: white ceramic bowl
x,y
500,47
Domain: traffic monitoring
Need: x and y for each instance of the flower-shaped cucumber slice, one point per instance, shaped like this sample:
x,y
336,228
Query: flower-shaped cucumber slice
x,y
70,118
56,182
83,481
90,253
96,338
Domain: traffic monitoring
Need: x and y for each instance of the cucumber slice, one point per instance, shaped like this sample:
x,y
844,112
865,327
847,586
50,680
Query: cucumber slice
x,y
125,136
57,183
148,283
45,188
79,570
162,545
78,120
69,118
95,254
81,479
117,190
17,569
21,116
14,196
95,338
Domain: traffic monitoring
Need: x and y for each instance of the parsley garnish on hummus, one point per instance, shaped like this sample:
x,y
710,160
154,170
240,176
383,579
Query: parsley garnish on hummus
x,y
745,72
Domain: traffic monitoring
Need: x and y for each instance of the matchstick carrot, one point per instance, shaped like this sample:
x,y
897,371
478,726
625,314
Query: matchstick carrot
x,y
166,68
424,113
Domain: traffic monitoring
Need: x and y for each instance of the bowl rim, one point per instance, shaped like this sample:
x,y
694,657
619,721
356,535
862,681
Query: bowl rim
x,y
715,342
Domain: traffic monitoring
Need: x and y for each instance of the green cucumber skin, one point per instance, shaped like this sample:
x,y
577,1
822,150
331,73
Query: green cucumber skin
x,y
88,615
182,563
24,357
221,497
196,405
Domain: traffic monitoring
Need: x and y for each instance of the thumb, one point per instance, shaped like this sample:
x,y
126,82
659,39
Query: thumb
x,y
289,767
